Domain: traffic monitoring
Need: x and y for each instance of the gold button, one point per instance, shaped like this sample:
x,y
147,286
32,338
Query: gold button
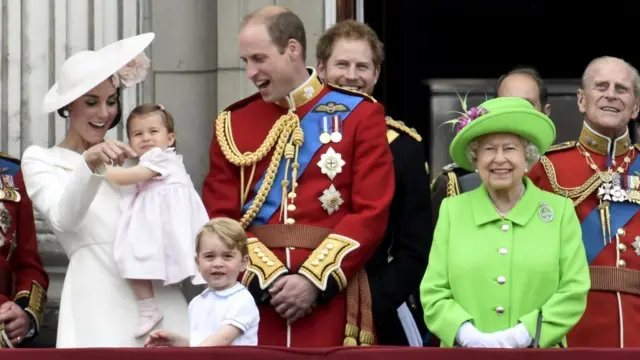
x,y
504,227
329,246
315,263
265,259
261,254
291,207
324,252
622,247
291,221
256,250
621,232
499,310
320,257
622,263
270,263
501,280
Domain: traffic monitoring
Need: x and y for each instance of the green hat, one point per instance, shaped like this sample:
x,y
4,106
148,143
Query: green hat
x,y
501,115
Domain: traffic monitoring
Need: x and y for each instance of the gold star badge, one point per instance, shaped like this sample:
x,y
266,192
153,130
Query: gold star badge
x,y
331,200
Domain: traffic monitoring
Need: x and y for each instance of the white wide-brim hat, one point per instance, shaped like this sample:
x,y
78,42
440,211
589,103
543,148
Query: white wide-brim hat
x,y
87,69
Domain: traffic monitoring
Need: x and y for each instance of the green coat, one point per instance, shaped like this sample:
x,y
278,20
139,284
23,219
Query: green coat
x,y
499,272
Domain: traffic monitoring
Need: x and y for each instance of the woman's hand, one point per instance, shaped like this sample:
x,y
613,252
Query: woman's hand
x,y
111,152
159,338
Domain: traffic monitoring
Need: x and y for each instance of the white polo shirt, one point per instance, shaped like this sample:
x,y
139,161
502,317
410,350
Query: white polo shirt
x,y
210,310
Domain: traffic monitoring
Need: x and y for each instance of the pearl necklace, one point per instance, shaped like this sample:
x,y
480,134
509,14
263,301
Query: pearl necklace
x,y
504,214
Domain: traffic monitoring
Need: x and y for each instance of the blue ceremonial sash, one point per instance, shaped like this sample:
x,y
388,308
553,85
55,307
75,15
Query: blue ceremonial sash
x,y
311,125
620,214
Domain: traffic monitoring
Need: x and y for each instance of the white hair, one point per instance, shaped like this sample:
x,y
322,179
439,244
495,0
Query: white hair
x,y
586,75
531,152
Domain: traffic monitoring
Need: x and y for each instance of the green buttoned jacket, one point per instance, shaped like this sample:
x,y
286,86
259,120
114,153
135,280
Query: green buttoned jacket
x,y
499,272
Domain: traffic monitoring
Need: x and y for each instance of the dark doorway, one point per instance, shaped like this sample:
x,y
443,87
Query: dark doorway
x,y
429,39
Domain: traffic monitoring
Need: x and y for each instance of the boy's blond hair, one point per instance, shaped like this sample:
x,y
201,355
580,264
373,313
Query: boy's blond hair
x,y
229,231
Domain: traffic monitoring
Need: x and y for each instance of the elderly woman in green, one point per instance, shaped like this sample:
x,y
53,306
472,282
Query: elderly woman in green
x,y
507,264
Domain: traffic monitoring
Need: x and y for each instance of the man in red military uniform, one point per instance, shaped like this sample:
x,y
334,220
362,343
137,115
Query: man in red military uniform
x,y
23,281
601,173
307,169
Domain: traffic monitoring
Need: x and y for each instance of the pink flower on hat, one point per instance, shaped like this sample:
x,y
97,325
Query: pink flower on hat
x,y
134,72
472,114
467,116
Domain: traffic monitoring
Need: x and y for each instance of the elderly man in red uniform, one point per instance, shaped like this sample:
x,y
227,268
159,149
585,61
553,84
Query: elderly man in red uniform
x,y
23,281
307,169
601,173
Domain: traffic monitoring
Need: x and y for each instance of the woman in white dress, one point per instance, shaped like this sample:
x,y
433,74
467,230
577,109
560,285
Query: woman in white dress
x,y
67,185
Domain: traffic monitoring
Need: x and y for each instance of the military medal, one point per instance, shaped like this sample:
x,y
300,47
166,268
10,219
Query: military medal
x,y
331,163
5,219
331,200
336,127
324,128
611,189
8,189
636,245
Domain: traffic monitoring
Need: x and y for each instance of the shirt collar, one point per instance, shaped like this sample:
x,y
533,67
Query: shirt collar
x,y
484,212
600,144
223,293
303,93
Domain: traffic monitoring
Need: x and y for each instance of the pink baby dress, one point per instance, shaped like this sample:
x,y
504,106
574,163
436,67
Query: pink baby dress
x,y
160,220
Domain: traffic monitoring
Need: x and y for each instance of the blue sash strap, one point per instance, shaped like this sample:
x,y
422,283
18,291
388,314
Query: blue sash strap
x,y
620,214
311,125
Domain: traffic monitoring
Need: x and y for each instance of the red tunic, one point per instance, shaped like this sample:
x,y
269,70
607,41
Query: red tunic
x,y
357,226
612,317
22,276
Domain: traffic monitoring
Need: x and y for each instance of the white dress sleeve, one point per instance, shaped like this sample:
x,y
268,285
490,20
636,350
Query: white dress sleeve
x,y
63,204
243,313
159,160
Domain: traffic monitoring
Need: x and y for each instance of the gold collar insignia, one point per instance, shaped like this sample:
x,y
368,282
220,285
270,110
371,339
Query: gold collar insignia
x,y
600,144
303,93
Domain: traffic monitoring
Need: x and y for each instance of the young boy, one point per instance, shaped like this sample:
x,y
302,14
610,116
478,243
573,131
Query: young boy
x,y
225,313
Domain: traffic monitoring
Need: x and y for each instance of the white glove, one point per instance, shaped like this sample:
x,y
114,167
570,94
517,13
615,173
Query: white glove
x,y
516,337
469,336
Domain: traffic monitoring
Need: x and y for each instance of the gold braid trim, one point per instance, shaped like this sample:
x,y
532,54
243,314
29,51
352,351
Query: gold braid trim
x,y
279,136
577,193
452,184
399,125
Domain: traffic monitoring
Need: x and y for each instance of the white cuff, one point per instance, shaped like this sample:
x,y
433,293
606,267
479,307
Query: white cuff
x,y
466,333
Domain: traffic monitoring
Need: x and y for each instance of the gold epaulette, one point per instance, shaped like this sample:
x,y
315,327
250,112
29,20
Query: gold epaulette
x,y
8,157
392,135
562,146
399,125
352,92
453,188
